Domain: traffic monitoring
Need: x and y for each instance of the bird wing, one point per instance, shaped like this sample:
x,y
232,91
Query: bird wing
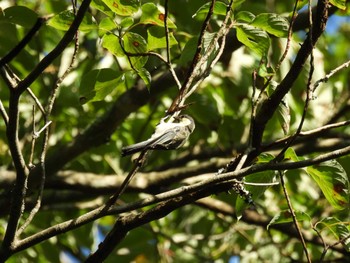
x,y
162,141
159,142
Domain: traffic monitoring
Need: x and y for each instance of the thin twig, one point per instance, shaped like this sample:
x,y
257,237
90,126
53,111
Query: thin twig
x,y
309,133
167,34
65,41
3,113
193,70
197,74
330,74
294,217
138,164
269,106
36,134
31,156
286,49
327,247
308,91
166,28
150,53
36,100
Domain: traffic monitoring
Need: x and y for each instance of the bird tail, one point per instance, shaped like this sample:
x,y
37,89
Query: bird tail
x,y
138,147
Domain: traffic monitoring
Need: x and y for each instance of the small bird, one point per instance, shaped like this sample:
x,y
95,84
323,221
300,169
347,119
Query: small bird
x,y
167,136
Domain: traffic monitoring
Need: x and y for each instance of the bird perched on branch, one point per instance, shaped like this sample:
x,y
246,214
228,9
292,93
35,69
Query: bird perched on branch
x,y
167,136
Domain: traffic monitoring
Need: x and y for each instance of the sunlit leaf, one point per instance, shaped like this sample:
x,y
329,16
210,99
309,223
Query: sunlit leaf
x,y
283,114
99,83
63,21
135,44
145,76
111,42
272,23
254,38
301,4
220,8
265,157
156,38
333,181
152,15
122,7
100,5
126,22
341,230
286,217
244,16
106,25
291,155
341,4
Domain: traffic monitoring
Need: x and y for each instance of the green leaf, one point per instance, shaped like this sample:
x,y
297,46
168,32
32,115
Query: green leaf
x,y
291,155
220,8
265,157
126,22
63,21
135,44
286,217
237,3
19,15
256,191
265,71
111,42
244,16
283,115
341,4
152,15
208,42
145,76
100,5
156,38
188,51
254,38
123,7
333,181
99,83
272,23
301,4
337,228
106,25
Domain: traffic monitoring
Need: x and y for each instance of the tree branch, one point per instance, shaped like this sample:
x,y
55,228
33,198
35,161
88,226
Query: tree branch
x,y
215,184
21,45
46,61
270,105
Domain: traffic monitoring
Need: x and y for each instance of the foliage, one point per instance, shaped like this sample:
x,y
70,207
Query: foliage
x,y
264,176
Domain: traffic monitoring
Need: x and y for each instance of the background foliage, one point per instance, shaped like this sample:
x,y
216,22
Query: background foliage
x,y
270,97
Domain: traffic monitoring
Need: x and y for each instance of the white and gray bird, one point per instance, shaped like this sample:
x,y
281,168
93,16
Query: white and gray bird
x,y
167,136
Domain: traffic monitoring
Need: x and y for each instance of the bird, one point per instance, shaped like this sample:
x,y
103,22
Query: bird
x,y
167,136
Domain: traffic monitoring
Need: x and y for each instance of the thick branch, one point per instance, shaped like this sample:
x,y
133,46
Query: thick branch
x,y
270,105
125,224
215,184
19,191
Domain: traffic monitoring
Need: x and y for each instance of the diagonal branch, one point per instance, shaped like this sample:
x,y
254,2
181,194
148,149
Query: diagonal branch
x,y
65,41
269,106
21,45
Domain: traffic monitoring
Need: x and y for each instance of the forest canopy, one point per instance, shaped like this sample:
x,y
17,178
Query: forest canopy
x,y
264,175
